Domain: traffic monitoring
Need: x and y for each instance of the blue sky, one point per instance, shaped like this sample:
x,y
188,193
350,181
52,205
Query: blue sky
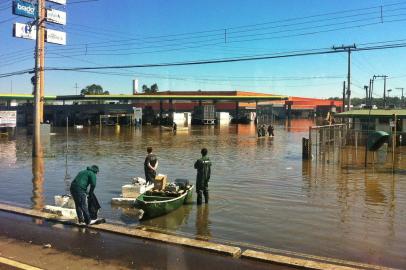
x,y
131,32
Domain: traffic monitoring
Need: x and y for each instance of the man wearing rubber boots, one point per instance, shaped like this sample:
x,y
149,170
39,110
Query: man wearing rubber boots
x,y
203,166
78,189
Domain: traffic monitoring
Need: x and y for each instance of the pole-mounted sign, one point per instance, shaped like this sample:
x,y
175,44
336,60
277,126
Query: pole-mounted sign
x,y
8,118
25,9
57,37
62,2
56,16
22,30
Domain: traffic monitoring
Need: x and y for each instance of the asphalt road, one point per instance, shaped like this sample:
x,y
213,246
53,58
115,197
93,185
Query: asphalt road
x,y
51,245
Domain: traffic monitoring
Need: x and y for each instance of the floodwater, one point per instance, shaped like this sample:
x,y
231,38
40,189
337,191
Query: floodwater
x,y
262,195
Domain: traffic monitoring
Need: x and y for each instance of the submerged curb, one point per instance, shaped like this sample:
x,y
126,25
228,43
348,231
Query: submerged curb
x,y
291,261
323,263
166,238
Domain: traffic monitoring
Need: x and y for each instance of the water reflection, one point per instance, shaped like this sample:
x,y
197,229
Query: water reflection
x,y
38,171
8,152
287,202
203,231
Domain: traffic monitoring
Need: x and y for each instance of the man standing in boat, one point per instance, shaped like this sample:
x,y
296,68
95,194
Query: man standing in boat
x,y
150,166
203,167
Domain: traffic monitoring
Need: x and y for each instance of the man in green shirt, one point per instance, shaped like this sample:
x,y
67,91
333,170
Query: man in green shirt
x,y
78,189
203,167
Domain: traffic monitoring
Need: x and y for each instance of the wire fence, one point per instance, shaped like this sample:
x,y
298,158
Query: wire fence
x,y
349,147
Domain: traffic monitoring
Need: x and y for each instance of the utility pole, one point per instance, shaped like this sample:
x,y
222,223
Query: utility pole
x,y
366,94
384,87
41,30
348,50
402,98
36,146
343,108
76,87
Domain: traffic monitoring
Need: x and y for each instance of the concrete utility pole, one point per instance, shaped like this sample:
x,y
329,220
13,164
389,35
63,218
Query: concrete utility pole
x,y
402,98
348,49
343,109
384,87
36,146
41,30
366,94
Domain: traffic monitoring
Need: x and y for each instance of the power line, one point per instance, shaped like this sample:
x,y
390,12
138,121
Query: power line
x,y
227,60
220,41
217,61
219,31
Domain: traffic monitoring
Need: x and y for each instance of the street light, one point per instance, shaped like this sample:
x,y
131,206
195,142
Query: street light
x,y
401,99
389,90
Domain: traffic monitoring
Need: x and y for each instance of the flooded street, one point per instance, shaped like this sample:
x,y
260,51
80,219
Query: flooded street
x,y
263,195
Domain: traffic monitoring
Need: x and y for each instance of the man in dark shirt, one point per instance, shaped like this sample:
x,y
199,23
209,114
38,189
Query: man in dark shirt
x,y
203,167
78,189
270,131
150,166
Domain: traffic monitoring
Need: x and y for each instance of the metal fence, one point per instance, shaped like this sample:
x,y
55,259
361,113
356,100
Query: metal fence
x,y
348,147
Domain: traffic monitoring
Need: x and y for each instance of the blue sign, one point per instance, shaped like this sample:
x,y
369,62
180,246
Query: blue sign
x,y
24,9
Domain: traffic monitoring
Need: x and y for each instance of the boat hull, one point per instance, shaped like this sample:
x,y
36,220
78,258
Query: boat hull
x,y
155,206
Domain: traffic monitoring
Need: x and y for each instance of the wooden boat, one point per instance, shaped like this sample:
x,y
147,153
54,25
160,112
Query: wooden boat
x,y
158,203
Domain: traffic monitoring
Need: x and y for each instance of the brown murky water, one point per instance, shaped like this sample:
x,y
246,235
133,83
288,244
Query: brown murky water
x,y
262,194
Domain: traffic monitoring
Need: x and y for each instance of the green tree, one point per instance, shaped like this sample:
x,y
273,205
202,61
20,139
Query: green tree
x,y
94,89
146,89
150,90
154,88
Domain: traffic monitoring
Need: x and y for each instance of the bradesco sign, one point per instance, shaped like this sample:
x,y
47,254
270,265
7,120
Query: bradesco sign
x,y
24,9
22,30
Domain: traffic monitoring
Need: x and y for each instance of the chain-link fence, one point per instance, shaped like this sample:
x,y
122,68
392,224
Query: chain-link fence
x,y
349,147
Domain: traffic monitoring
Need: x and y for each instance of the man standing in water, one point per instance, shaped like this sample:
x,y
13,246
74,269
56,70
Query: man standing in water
x,y
78,189
203,167
270,131
150,166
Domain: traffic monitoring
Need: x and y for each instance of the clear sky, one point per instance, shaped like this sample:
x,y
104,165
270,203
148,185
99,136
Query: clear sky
x,y
132,32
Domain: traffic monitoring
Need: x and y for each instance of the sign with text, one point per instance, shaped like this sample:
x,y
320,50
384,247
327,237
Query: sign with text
x,y
57,37
56,16
8,118
25,9
62,2
22,30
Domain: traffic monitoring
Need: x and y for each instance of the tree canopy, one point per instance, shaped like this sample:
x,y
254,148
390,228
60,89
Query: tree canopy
x,y
150,90
94,89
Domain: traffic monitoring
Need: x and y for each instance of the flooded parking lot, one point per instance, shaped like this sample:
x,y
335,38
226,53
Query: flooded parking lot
x,y
262,194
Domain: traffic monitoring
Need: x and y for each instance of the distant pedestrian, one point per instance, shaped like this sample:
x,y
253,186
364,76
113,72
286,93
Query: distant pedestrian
x,y
270,131
203,167
174,127
79,191
263,130
150,166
